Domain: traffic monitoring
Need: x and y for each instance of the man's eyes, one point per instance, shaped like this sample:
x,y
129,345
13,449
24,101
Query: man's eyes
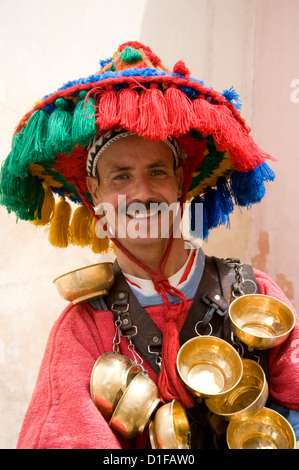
x,y
120,177
125,176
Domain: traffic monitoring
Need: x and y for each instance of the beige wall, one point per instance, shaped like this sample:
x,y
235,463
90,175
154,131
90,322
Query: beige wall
x,y
45,43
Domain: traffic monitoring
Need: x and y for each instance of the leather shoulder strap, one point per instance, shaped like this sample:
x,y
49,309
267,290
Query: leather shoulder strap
x,y
136,323
209,306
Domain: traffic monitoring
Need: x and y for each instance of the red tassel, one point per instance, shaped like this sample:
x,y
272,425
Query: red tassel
x,y
228,134
180,113
169,384
108,110
153,122
128,108
206,116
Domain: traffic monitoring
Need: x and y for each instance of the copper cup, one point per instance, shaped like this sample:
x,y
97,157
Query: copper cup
x,y
170,427
266,429
111,375
86,283
261,321
246,398
209,366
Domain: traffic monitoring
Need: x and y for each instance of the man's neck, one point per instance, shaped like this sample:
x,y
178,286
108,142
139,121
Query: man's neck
x,y
151,256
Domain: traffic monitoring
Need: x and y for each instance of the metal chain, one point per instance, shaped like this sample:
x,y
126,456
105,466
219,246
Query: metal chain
x,y
238,286
117,336
135,355
117,340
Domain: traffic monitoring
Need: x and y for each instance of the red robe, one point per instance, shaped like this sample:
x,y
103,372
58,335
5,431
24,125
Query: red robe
x,y
61,414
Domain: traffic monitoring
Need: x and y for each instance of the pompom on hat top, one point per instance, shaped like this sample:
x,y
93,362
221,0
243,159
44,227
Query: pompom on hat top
x,y
222,165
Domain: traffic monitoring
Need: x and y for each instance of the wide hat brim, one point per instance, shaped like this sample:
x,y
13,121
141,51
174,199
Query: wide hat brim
x,y
223,166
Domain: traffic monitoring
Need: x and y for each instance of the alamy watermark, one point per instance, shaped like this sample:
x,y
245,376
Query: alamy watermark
x,y
295,93
150,220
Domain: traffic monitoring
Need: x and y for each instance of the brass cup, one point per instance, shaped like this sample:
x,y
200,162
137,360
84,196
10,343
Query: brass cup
x,y
248,397
209,366
85,283
136,407
170,427
110,376
261,321
266,429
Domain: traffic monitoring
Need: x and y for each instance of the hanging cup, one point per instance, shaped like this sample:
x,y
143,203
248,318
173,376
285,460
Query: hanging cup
x,y
170,427
84,284
136,407
111,375
266,429
246,398
209,366
261,321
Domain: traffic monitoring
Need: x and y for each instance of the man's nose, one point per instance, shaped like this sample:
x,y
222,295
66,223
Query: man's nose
x,y
142,189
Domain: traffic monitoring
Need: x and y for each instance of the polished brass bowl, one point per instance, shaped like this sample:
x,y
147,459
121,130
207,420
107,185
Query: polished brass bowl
x,y
261,321
266,429
110,376
248,397
136,407
86,283
170,427
209,366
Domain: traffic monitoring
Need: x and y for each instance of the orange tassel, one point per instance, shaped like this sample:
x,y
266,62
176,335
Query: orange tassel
x,y
99,244
108,110
59,231
153,120
80,227
47,208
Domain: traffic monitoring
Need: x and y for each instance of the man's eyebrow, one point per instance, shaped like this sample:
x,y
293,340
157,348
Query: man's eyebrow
x,y
157,163
160,163
120,168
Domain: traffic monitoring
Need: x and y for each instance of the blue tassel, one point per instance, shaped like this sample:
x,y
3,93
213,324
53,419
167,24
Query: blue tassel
x,y
248,188
212,204
232,97
225,196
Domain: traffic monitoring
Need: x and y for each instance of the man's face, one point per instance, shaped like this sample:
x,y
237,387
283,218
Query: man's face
x,y
136,178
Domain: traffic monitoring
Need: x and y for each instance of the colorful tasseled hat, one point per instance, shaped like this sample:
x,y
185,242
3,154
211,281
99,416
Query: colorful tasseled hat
x,y
223,166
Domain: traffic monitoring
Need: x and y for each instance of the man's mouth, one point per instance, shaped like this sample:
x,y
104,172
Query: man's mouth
x,y
141,211
142,215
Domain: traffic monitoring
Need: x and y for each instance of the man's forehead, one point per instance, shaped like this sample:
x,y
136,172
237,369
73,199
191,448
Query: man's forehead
x,y
113,165
123,145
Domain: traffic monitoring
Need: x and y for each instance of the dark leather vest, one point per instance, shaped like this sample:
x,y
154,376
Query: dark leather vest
x,y
208,312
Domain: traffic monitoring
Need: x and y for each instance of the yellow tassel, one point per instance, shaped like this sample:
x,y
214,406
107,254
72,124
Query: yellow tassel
x,y
98,245
47,209
80,228
59,231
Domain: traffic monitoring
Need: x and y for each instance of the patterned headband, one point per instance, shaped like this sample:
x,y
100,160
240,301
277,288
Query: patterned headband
x,y
108,138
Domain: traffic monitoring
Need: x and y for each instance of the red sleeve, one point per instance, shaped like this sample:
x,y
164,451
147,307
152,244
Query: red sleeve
x,y
283,360
61,413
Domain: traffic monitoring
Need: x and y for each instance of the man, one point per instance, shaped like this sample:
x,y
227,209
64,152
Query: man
x,y
130,143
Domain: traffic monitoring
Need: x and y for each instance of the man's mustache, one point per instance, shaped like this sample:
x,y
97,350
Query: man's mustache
x,y
148,205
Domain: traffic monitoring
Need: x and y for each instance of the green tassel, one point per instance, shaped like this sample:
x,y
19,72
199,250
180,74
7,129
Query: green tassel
x,y
130,55
24,196
10,166
33,142
59,138
83,126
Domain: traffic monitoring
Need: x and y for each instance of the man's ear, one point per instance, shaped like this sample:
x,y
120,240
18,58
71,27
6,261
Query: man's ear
x,y
93,188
